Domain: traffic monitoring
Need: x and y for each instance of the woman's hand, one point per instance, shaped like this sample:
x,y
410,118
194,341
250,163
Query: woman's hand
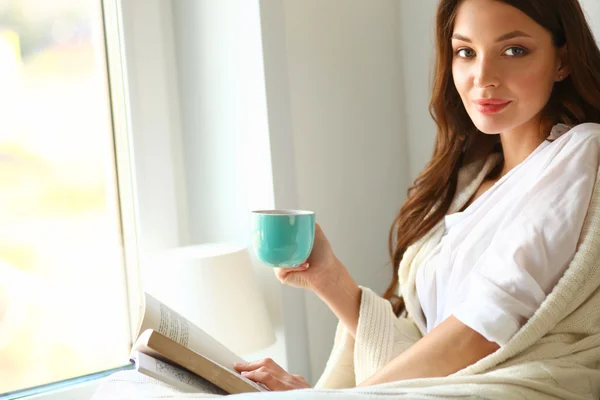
x,y
271,375
329,279
320,269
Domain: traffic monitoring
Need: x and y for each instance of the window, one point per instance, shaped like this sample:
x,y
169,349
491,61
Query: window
x,y
67,252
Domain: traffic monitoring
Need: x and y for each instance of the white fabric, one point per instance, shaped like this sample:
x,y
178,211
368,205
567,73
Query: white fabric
x,y
498,260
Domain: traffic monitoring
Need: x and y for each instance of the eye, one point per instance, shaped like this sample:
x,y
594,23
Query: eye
x,y
465,53
515,51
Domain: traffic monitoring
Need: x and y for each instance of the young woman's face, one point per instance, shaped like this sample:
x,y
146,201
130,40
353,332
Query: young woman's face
x,y
504,65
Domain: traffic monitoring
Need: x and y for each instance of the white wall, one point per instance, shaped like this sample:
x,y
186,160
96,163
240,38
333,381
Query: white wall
x,y
592,11
224,122
349,143
226,144
332,140
415,42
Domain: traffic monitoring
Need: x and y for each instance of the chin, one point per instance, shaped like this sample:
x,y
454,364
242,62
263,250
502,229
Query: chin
x,y
491,125
488,130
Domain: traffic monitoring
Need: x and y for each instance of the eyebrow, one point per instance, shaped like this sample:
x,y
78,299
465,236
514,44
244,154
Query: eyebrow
x,y
506,36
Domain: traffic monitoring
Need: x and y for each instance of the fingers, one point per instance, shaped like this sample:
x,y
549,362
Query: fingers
x,y
282,273
262,371
249,366
269,374
253,365
276,381
263,376
299,268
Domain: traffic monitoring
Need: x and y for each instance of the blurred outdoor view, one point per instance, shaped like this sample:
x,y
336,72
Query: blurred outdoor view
x,y
63,303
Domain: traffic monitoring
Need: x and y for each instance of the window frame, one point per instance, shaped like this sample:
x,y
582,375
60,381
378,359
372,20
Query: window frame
x,y
147,143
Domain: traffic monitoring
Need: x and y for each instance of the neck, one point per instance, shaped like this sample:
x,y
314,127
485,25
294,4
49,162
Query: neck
x,y
518,144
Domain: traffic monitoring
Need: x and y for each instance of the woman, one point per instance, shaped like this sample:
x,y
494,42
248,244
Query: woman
x,y
516,98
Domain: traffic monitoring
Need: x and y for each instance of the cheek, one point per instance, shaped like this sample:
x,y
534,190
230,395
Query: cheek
x,y
532,85
461,81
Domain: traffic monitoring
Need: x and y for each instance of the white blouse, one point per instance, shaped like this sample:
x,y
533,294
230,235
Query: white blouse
x,y
501,257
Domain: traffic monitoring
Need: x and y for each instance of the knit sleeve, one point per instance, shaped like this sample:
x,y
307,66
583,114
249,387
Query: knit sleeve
x,y
529,255
380,336
339,370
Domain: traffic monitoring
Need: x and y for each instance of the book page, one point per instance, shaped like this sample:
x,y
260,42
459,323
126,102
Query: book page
x,y
174,376
168,322
141,347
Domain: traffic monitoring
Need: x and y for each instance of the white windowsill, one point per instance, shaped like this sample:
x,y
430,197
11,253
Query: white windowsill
x,y
82,391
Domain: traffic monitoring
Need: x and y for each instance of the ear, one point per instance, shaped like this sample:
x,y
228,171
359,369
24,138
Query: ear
x,y
563,64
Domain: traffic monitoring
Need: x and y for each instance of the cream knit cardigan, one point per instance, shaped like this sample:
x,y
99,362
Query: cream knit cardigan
x,y
556,354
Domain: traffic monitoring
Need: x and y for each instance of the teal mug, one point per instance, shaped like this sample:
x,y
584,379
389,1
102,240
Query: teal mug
x,y
283,238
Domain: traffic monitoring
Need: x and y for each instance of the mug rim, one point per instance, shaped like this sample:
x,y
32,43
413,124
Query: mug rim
x,y
282,212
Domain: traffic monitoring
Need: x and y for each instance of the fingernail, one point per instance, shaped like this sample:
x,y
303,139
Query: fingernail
x,y
244,372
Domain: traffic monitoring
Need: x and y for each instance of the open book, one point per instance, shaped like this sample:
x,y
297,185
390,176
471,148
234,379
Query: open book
x,y
172,349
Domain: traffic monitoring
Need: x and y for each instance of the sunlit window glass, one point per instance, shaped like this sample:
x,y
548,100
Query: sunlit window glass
x,y
63,298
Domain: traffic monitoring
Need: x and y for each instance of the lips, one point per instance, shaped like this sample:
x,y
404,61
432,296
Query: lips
x,y
491,106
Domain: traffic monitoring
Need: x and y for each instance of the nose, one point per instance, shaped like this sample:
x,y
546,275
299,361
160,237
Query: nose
x,y
486,73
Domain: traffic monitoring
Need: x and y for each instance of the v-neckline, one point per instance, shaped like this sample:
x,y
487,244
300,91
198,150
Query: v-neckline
x,y
498,183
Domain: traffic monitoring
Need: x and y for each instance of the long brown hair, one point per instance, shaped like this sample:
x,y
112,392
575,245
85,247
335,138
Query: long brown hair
x,y
573,101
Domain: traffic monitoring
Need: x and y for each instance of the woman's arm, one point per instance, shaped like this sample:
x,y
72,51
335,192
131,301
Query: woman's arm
x,y
448,348
325,275
342,295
